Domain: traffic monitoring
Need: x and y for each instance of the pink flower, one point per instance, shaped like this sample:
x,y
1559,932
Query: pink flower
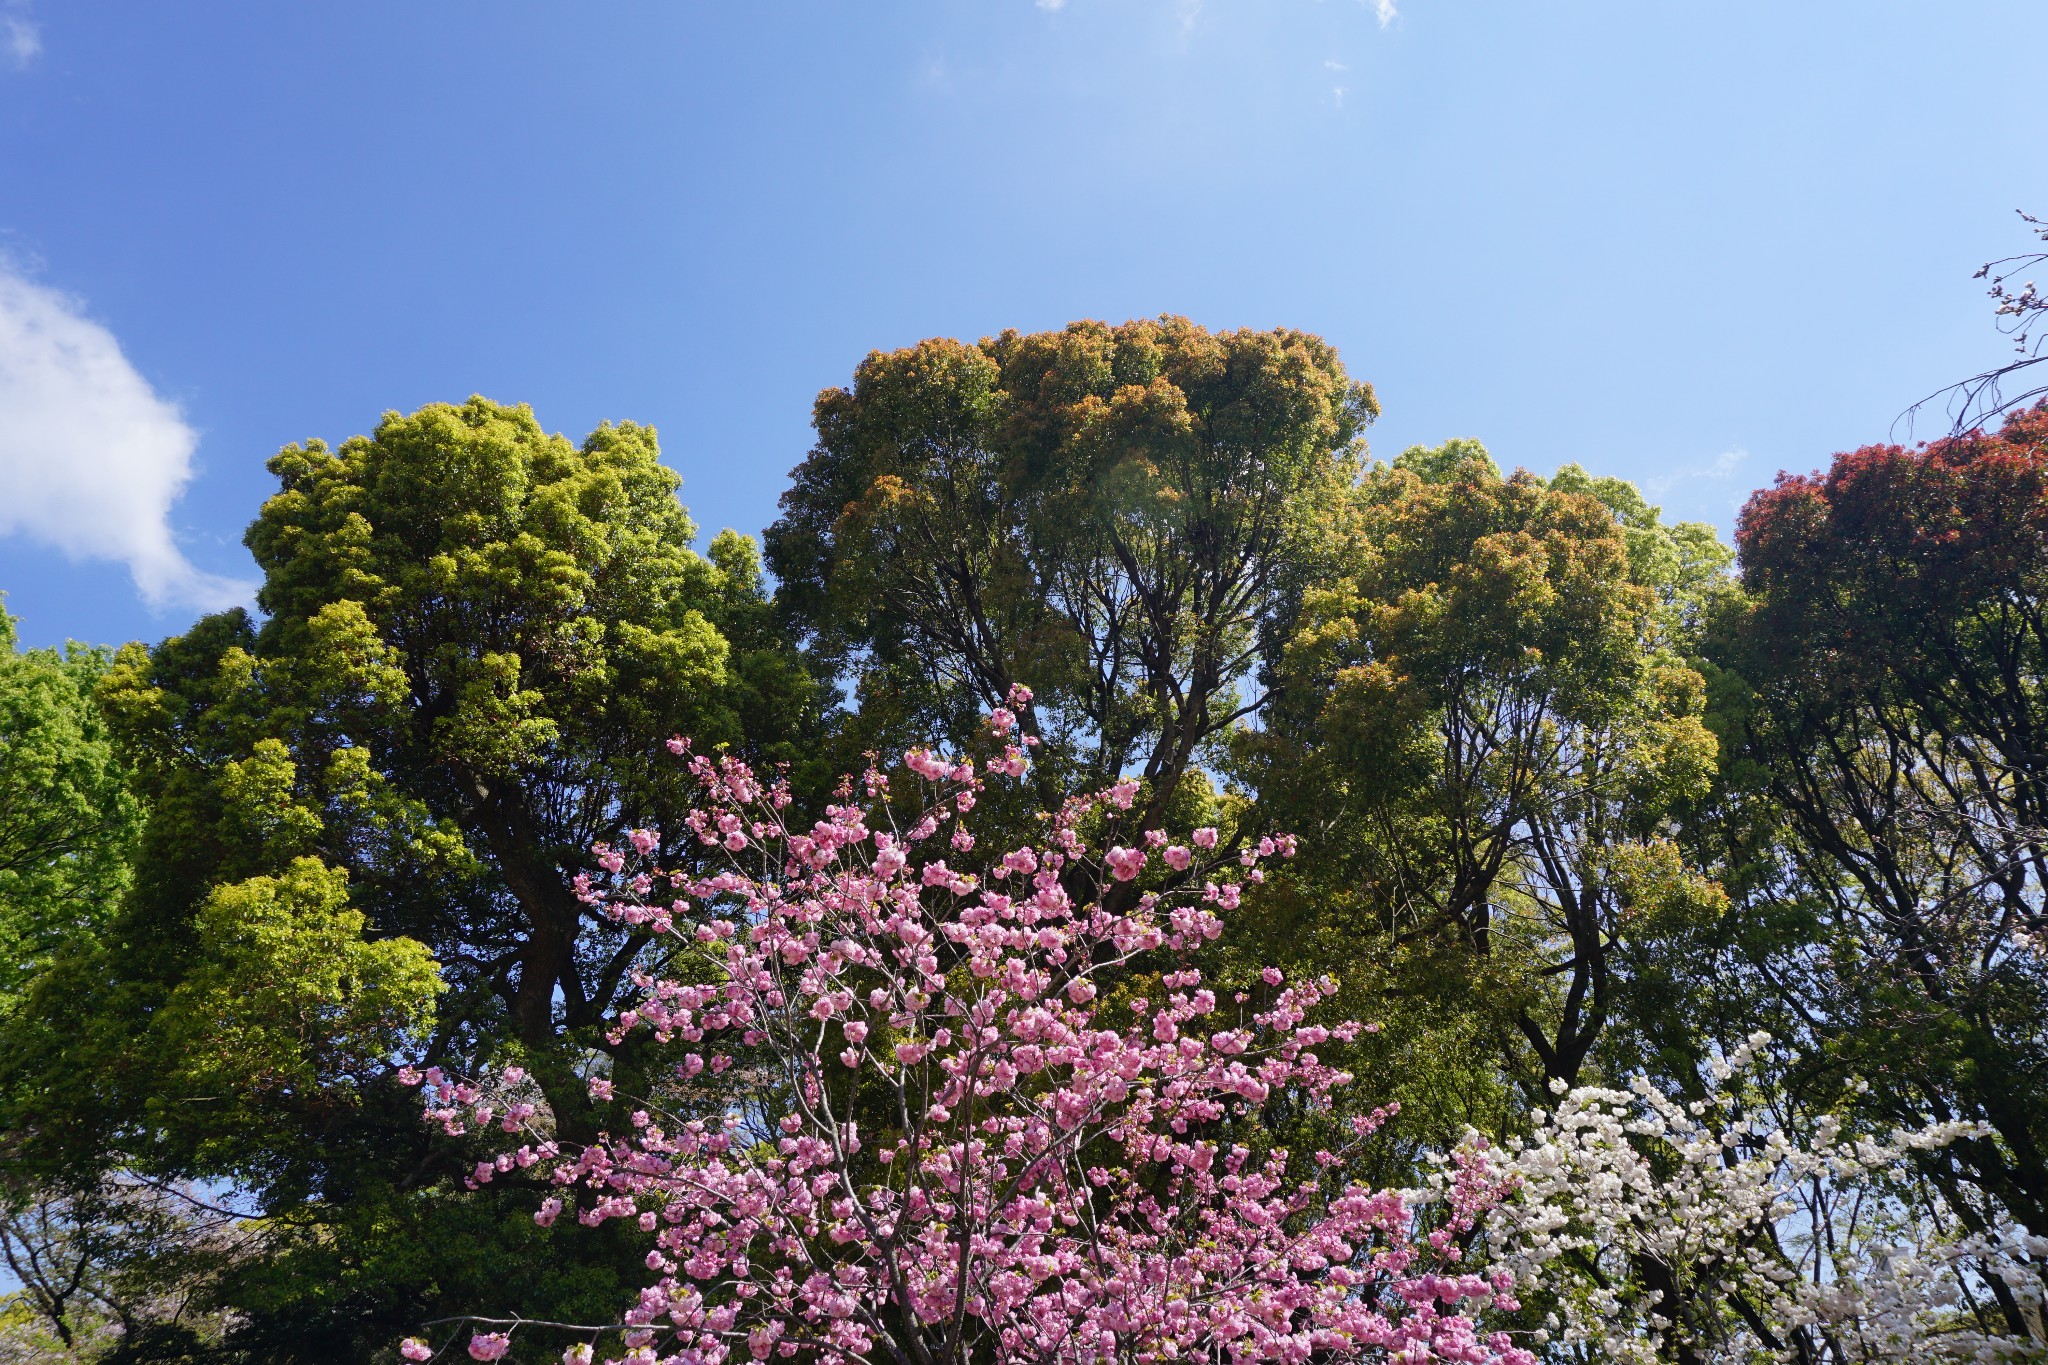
x,y
600,1088
1177,857
489,1346
1205,837
412,1348
1124,863
546,1213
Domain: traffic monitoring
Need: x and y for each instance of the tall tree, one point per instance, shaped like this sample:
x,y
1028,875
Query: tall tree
x,y
1489,728
1887,680
68,822
1121,518
368,814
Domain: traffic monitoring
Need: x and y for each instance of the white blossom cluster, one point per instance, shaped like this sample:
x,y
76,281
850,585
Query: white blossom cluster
x,y
1651,1228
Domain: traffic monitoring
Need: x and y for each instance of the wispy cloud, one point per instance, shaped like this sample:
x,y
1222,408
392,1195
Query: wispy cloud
x,y
21,37
1384,11
1717,470
1726,463
91,459
1052,4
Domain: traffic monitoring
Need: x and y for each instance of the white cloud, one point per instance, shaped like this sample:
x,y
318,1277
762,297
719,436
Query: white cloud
x,y
1717,470
1052,4
20,36
1384,11
91,459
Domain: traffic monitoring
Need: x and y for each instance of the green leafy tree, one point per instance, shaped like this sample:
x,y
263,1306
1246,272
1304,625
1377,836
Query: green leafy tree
x,y
1121,518
368,814
68,814
69,821
1489,733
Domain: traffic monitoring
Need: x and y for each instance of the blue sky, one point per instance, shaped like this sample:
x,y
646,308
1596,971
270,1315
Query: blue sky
x,y
1690,244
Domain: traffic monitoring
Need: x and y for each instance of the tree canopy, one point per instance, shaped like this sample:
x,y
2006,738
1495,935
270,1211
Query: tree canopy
x,y
1123,518
1885,676
1489,730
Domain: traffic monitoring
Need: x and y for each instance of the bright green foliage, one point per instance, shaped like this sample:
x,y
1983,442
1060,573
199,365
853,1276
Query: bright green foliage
x,y
1488,734
288,995
367,814
508,624
68,818
1119,517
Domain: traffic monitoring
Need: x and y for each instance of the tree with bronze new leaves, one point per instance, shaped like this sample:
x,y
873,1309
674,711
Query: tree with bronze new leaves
x,y
1122,517
1489,729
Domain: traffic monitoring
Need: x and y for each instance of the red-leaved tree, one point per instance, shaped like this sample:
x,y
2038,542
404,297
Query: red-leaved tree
x,y
1893,662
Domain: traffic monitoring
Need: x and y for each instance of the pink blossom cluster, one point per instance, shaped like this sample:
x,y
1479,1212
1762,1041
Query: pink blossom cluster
x,y
963,1135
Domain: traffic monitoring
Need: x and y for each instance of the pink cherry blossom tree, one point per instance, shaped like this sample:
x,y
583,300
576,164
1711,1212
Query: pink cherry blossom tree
x,y
943,1143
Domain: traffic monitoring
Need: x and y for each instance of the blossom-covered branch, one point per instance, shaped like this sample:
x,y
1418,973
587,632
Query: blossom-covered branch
x,y
950,1147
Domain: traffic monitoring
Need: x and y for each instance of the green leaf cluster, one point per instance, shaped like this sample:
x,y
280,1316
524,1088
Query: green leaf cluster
x,y
68,816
